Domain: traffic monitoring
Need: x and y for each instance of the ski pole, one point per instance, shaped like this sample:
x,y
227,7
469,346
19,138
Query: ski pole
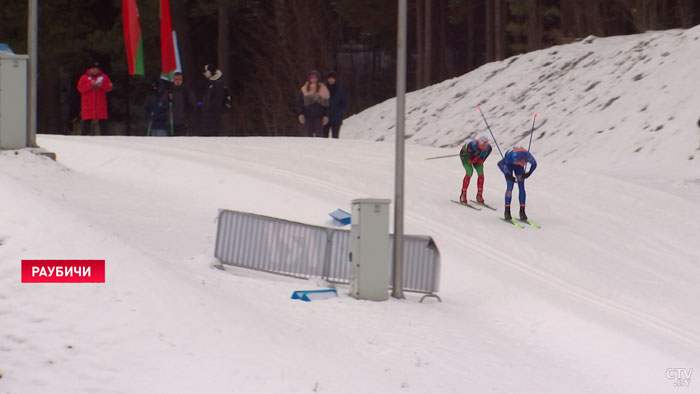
x,y
489,127
440,157
170,109
531,131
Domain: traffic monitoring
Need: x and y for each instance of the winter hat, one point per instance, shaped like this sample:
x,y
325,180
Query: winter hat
x,y
211,67
94,63
331,74
316,73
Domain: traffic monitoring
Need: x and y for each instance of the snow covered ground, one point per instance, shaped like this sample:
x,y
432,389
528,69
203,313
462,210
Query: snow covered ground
x,y
603,299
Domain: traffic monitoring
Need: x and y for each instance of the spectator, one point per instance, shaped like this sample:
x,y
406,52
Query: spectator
x,y
312,105
156,113
183,102
338,106
213,101
93,87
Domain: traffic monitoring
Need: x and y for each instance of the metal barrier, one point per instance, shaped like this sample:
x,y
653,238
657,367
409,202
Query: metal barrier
x,y
301,250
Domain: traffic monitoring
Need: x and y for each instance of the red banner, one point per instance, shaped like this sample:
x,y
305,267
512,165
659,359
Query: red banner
x,y
167,45
63,271
132,37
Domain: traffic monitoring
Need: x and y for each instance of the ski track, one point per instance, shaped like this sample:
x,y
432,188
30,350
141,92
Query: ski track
x,y
221,160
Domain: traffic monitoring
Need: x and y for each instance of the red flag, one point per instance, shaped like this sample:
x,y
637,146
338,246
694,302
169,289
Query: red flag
x,y
132,37
168,50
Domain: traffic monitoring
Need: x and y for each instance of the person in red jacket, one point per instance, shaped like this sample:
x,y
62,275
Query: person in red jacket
x,y
93,87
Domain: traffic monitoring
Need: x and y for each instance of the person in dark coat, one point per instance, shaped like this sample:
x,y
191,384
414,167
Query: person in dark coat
x,y
156,114
182,101
338,106
93,87
213,102
311,105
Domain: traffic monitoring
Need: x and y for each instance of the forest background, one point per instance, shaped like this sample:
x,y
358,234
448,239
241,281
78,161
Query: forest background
x,y
266,48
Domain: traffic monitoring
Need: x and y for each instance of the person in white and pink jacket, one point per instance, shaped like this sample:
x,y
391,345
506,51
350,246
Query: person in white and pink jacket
x,y
312,105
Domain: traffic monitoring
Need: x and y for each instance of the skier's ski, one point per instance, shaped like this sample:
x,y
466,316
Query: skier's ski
x,y
466,205
530,223
483,205
511,221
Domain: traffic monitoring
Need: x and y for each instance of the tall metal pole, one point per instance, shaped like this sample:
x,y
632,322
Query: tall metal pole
x,y
32,40
400,124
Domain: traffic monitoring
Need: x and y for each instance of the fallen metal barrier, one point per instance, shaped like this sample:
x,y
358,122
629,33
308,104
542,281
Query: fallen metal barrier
x,y
301,250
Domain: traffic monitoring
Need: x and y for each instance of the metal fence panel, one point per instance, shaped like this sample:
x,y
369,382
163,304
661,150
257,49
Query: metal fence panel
x,y
270,244
296,249
339,259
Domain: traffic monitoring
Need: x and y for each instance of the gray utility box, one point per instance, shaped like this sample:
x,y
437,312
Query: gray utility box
x,y
13,101
369,249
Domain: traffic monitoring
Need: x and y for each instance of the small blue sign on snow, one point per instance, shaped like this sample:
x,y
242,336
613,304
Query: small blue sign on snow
x,y
310,295
341,216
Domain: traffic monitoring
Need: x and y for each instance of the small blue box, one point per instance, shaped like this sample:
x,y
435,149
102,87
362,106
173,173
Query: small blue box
x,y
309,295
341,216
5,49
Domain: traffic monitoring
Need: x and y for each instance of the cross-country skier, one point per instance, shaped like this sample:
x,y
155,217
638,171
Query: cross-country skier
x,y
513,166
473,155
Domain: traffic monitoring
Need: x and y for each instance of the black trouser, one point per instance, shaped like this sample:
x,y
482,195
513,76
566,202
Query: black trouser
x,y
313,127
86,123
334,128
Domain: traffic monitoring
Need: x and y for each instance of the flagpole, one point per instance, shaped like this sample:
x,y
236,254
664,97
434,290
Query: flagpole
x,y
128,105
170,107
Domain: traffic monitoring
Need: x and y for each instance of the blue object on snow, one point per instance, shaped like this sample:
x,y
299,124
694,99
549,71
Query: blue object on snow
x,y
341,216
4,48
310,295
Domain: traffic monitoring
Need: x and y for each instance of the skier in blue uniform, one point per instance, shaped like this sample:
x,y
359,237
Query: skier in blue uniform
x,y
473,155
513,167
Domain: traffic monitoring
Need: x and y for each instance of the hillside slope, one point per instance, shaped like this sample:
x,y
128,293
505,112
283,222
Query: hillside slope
x,y
602,103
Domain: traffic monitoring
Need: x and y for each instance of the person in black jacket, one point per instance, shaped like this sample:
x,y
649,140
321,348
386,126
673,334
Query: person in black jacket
x,y
213,102
182,101
156,114
312,105
338,106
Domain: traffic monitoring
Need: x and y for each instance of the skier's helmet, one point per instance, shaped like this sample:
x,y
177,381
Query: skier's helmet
x,y
521,155
482,143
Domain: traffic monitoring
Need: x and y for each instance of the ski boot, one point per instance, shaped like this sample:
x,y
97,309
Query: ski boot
x,y
506,214
523,216
480,189
463,197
